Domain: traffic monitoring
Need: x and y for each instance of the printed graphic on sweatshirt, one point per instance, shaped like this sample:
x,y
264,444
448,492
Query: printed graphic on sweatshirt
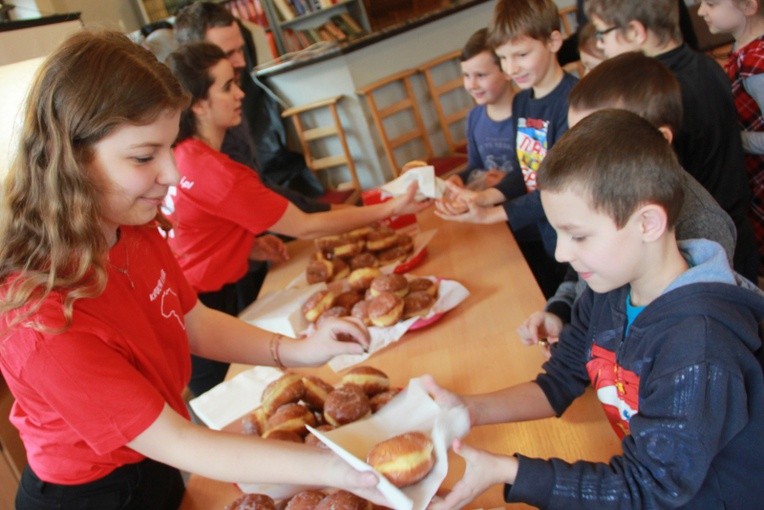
x,y
617,389
532,145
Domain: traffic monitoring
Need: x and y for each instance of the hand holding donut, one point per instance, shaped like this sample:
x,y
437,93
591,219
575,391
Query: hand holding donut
x,y
444,398
541,328
335,336
407,204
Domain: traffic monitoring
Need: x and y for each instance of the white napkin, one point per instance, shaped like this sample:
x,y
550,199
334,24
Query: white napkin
x,y
429,185
232,399
411,410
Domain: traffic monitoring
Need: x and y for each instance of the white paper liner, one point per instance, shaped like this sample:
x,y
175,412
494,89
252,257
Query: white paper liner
x,y
429,185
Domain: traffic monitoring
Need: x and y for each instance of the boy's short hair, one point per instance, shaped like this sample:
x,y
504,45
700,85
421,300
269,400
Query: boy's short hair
x,y
661,17
635,82
477,44
536,19
193,21
619,162
587,41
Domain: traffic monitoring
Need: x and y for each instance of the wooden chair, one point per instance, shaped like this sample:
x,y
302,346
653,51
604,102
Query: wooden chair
x,y
315,141
399,123
451,102
568,27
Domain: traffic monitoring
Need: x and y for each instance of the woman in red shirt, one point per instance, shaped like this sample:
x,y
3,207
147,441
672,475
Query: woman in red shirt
x,y
97,317
220,205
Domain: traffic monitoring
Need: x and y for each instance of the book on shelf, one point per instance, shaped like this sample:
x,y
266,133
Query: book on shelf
x,y
333,29
345,26
285,9
352,23
297,7
326,3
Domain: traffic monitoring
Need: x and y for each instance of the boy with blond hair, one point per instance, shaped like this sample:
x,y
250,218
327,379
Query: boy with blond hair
x,y
525,34
666,334
708,142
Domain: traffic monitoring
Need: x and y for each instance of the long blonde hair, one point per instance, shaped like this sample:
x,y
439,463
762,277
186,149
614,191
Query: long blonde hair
x,y
50,222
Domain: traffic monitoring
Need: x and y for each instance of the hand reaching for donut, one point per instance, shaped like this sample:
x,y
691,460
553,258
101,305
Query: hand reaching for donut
x,y
407,203
444,398
334,336
483,469
269,248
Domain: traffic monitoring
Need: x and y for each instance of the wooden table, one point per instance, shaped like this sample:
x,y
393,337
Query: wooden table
x,y
473,348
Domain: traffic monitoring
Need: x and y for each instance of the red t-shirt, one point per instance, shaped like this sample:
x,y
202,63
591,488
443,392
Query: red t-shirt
x,y
218,208
83,394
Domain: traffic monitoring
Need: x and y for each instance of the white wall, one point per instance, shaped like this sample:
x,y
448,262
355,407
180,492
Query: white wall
x,y
123,15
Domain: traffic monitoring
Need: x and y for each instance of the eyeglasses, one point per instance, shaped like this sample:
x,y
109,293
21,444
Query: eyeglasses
x,y
600,34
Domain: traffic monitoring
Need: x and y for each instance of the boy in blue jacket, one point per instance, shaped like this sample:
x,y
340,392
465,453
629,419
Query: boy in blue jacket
x,y
666,333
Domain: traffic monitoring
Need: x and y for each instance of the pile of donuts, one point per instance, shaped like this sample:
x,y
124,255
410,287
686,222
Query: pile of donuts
x,y
375,298
311,499
373,246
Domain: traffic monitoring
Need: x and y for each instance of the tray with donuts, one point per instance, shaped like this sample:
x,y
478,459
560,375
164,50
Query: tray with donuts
x,y
337,257
403,435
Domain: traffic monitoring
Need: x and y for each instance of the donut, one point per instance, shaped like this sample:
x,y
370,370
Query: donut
x,y
360,232
365,259
333,312
287,388
394,283
404,459
361,311
343,500
252,502
424,285
317,304
369,379
319,270
283,435
348,247
312,440
380,239
305,500
417,304
327,243
361,278
255,422
380,400
291,417
348,299
414,163
340,269
346,404
316,391
385,310
405,242
392,255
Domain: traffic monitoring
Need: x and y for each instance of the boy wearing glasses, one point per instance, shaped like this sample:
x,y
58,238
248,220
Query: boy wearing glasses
x,y
708,142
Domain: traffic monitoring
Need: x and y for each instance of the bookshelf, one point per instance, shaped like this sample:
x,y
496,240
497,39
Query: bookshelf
x,y
297,24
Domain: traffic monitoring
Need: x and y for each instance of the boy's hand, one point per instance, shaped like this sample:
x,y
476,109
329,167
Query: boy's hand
x,y
456,181
482,471
493,177
269,248
475,214
541,328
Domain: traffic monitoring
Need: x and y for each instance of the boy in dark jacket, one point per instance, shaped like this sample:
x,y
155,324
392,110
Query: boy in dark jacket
x,y
666,333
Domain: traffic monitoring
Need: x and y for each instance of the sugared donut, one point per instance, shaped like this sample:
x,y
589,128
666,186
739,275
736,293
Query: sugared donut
x,y
417,304
360,232
385,310
340,269
365,259
254,422
414,163
346,404
380,400
293,418
406,242
316,391
424,285
380,239
404,459
333,312
317,304
395,283
312,440
361,278
369,379
287,388
361,311
305,500
319,270
392,255
343,500
348,299
327,243
283,435
252,502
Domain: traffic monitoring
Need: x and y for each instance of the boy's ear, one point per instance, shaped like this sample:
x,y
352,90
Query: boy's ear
x,y
750,7
555,41
652,222
667,133
636,32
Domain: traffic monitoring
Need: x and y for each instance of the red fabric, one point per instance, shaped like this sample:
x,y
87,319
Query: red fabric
x,y
741,64
219,207
83,394
447,164
336,196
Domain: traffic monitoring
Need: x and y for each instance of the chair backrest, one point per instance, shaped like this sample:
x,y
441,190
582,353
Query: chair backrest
x,y
315,123
452,103
393,96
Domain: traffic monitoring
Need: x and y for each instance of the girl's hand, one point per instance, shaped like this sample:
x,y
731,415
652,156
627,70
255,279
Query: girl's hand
x,y
483,470
362,484
346,335
269,248
407,204
443,397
